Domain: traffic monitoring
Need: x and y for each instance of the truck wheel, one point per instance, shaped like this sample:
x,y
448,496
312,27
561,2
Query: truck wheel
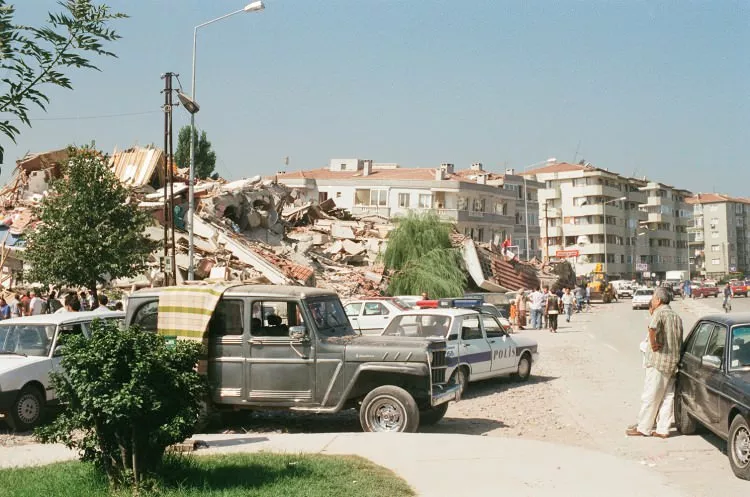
x,y
739,447
433,415
27,410
389,408
524,368
684,422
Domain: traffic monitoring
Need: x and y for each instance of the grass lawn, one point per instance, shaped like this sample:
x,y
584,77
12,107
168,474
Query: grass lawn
x,y
246,475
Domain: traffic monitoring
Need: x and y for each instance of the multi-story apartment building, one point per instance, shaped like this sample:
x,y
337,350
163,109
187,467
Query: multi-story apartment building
x,y
593,216
476,201
719,235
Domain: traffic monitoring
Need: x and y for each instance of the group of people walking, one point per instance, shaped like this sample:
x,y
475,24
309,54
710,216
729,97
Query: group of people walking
x,y
544,306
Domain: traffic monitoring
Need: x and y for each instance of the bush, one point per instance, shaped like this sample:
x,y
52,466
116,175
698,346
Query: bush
x,y
129,396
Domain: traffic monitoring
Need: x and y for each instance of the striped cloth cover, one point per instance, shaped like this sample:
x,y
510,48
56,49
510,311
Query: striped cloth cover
x,y
184,311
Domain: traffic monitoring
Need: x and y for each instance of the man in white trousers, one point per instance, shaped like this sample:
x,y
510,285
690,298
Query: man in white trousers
x,y
662,356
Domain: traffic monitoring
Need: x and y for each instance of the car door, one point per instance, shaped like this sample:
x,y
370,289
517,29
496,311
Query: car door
x,y
504,355
373,318
228,329
474,348
280,371
714,378
692,388
58,349
353,311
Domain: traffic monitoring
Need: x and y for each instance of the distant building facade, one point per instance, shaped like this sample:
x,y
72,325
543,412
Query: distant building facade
x,y
482,205
629,226
719,235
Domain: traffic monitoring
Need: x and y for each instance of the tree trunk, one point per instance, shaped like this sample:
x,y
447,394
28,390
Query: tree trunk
x,y
94,294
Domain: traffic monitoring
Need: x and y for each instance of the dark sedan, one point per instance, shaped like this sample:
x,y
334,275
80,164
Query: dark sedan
x,y
713,384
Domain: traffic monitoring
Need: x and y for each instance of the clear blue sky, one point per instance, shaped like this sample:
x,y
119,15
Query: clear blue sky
x,y
645,87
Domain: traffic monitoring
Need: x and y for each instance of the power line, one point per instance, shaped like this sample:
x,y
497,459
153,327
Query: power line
x,y
101,116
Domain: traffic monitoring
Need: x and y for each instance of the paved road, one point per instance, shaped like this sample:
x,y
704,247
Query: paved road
x,y
603,389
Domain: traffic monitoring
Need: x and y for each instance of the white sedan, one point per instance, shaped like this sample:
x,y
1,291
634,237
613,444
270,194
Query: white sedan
x,y
479,346
642,298
370,316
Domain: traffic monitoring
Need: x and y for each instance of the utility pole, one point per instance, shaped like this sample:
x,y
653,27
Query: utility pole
x,y
546,233
170,273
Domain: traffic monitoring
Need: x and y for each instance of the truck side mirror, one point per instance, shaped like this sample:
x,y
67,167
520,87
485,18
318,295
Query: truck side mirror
x,y
298,333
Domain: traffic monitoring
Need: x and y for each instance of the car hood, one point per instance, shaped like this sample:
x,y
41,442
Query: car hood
x,y
389,348
522,341
11,362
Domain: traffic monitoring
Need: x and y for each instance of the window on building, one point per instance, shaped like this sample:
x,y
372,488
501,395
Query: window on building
x,y
714,234
361,197
379,197
713,208
480,234
716,262
404,200
322,197
425,201
715,248
338,194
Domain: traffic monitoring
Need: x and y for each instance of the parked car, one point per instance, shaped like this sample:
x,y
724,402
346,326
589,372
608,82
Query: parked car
x,y
739,288
623,288
478,345
642,298
370,316
702,291
30,349
292,347
713,384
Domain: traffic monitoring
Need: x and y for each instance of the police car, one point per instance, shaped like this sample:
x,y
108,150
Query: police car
x,y
479,346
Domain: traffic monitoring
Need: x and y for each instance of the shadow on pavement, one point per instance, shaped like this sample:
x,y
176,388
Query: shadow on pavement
x,y
496,385
464,426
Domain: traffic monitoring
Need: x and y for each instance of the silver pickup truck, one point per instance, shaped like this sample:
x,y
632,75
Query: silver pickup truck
x,y
293,348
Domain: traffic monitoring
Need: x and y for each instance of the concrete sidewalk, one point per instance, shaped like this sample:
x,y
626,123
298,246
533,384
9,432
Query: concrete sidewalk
x,y
437,465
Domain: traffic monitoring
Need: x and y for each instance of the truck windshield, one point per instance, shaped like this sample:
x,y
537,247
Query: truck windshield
x,y
330,318
27,339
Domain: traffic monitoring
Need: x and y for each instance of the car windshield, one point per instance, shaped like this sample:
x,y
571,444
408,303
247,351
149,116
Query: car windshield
x,y
739,357
643,292
420,325
26,339
330,318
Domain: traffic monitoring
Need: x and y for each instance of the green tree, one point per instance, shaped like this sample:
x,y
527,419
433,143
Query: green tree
x,y
36,57
88,231
205,157
422,258
128,396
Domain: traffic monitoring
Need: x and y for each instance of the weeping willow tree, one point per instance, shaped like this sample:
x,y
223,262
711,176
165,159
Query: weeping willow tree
x,y
422,259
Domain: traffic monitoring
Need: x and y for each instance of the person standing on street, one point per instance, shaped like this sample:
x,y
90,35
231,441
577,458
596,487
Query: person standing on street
x,y
36,304
568,301
25,301
552,310
16,311
545,295
4,309
536,301
580,295
521,308
727,295
588,296
661,358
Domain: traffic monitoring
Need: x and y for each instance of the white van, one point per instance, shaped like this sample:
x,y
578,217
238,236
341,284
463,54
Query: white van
x,y
29,351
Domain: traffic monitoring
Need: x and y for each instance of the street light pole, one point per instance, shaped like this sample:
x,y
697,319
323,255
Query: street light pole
x,y
526,198
255,6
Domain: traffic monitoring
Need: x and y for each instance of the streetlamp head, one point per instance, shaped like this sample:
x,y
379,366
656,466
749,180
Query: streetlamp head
x,y
256,6
187,102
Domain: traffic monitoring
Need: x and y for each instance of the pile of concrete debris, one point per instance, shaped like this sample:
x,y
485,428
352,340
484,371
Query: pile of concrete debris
x,y
250,230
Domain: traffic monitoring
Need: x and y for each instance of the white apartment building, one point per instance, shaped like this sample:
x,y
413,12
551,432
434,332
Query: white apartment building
x,y
719,235
593,216
472,199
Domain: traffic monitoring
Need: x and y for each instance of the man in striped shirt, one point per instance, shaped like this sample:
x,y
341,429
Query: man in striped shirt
x,y
662,357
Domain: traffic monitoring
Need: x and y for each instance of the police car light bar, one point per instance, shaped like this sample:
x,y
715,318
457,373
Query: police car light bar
x,y
460,303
